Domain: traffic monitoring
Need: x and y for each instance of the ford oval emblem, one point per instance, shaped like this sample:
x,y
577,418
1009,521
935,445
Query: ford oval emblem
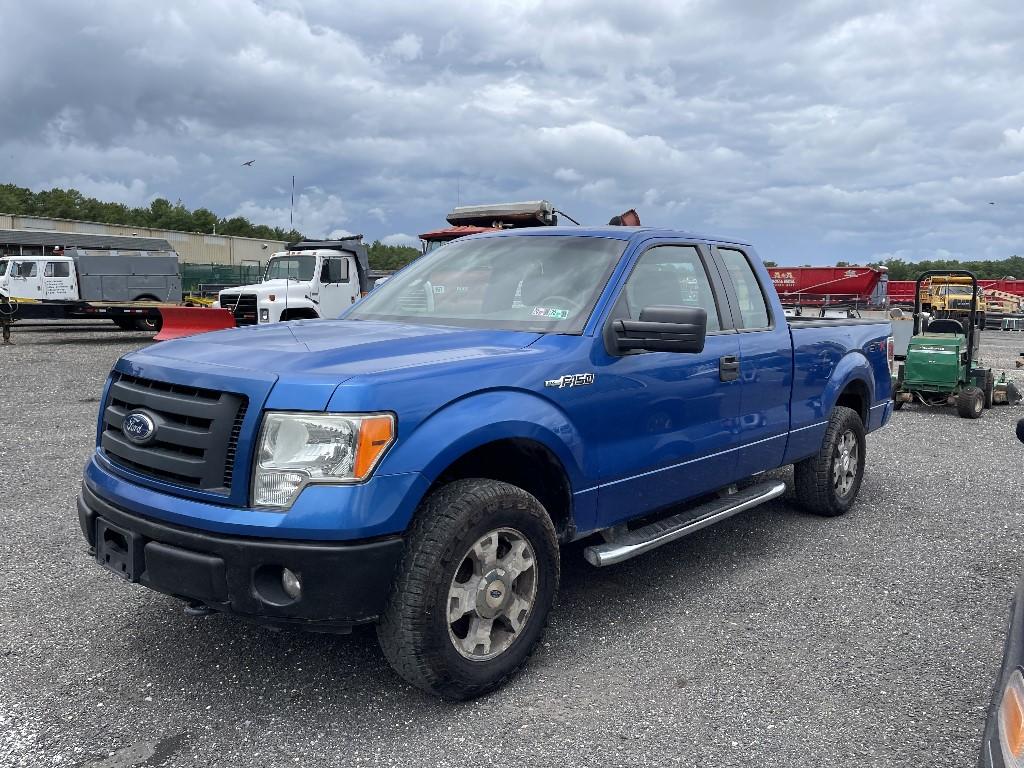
x,y
139,427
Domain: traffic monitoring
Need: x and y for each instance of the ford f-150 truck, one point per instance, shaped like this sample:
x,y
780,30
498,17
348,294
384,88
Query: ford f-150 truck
x,y
417,462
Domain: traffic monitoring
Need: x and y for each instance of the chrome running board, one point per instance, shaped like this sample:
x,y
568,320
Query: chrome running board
x,y
675,527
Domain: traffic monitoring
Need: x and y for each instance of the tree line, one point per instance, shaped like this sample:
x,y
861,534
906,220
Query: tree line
x,y
59,203
985,269
390,257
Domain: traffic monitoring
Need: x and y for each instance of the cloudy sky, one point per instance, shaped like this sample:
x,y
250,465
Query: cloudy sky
x,y
822,130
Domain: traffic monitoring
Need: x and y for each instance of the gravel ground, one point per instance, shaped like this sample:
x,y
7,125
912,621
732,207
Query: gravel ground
x,y
773,639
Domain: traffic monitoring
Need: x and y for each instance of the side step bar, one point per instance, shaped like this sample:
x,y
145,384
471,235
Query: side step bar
x,y
675,527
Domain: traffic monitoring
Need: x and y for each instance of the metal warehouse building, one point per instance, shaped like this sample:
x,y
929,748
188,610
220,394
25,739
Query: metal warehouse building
x,y
33,236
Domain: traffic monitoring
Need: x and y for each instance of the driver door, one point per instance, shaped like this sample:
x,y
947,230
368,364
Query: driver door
x,y
336,286
670,421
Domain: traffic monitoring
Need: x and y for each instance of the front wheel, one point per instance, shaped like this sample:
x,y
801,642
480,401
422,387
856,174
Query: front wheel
x,y
472,594
828,482
970,403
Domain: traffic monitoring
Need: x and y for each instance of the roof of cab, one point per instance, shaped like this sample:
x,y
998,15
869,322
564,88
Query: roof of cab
x,y
617,233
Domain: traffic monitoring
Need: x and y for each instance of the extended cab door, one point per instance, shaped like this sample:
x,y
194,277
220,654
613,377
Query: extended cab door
x,y
667,419
339,285
766,361
59,281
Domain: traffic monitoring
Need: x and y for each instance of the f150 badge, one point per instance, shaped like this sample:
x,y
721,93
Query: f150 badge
x,y
570,380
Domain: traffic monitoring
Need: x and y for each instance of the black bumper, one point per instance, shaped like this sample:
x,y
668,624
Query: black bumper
x,y
1013,657
342,584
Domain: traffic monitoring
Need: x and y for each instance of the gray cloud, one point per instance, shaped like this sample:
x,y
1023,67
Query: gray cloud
x,y
825,130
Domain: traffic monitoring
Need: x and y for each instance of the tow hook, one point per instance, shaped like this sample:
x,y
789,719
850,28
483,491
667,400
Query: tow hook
x,y
198,609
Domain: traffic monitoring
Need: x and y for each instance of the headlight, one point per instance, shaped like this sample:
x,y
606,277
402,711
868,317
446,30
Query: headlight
x,y
1011,721
296,449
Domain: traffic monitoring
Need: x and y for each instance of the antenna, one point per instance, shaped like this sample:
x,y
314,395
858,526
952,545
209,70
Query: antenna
x,y
291,211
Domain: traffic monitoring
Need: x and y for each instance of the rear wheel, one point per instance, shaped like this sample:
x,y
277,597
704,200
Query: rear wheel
x,y
473,591
828,482
970,403
150,322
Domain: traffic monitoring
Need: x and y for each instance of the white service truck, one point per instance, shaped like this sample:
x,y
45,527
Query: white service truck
x,y
311,279
76,283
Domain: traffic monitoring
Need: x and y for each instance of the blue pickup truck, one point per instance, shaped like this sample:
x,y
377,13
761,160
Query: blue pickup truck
x,y
417,462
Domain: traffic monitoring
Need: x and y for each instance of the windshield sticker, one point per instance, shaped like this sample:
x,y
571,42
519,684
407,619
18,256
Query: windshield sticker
x,y
554,314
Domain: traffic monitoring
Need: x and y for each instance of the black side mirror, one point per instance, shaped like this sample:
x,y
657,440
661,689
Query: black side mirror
x,y
1020,430
663,329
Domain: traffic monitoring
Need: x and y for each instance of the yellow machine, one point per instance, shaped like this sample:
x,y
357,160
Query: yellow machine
x,y
950,297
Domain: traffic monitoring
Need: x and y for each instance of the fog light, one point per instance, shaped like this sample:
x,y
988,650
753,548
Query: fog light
x,y
264,315
291,583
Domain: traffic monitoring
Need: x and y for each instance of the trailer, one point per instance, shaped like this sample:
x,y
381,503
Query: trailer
x,y
76,283
857,287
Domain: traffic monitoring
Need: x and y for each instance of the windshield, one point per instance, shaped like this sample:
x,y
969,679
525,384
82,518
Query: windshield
x,y
543,283
293,267
433,245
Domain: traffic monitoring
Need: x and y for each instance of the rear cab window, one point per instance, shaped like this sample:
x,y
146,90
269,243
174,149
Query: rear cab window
x,y
753,309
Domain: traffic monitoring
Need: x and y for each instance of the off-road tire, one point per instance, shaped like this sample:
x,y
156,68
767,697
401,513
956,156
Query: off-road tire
x,y
970,403
813,477
414,631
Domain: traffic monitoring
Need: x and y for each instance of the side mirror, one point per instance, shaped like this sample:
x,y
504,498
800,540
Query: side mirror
x,y
1020,430
663,329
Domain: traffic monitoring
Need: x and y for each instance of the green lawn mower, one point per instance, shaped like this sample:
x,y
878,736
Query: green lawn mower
x,y
940,367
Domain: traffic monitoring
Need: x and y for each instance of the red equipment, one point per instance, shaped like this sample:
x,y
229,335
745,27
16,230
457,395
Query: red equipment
x,y
188,321
901,292
815,286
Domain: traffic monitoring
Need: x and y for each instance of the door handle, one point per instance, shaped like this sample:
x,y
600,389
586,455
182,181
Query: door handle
x,y
729,368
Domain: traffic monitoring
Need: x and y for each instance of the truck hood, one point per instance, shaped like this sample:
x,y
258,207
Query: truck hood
x,y
338,349
270,286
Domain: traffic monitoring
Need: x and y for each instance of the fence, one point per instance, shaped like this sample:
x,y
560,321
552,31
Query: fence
x,y
209,278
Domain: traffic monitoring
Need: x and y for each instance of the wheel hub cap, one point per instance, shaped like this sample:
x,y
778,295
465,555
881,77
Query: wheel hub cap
x,y
845,465
491,594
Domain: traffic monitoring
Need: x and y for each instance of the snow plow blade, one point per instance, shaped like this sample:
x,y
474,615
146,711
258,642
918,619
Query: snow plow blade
x,y
188,321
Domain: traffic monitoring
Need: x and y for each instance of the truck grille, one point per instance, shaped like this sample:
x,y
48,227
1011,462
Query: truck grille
x,y
195,440
242,306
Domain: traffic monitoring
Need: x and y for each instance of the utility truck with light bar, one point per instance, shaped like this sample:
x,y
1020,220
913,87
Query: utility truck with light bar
x,y
416,463
311,279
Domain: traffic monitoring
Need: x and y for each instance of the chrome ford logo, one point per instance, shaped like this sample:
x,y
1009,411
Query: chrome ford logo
x,y
138,427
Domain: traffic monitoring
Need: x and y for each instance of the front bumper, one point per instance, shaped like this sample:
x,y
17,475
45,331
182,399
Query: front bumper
x,y
343,584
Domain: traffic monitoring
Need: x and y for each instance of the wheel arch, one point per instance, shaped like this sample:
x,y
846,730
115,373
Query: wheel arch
x,y
475,437
851,386
525,463
301,313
